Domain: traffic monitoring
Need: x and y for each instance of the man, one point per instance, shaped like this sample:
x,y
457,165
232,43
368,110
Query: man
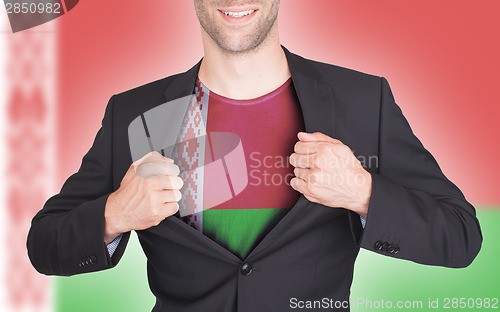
x,y
269,243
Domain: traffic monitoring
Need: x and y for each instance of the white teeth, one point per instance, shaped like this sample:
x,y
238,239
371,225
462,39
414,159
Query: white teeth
x,y
239,14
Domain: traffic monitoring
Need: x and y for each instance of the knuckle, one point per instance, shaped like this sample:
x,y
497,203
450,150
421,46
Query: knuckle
x,y
156,221
154,210
142,170
172,182
177,168
142,166
296,147
301,161
337,141
311,189
172,208
177,195
179,183
148,184
316,161
166,196
168,183
328,149
313,177
315,172
149,198
323,148
157,184
346,150
172,169
155,156
156,198
311,198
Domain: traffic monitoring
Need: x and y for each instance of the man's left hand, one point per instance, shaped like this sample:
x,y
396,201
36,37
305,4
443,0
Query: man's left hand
x,y
327,172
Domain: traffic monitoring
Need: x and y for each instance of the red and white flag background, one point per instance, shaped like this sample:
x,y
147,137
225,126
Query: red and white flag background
x,y
440,57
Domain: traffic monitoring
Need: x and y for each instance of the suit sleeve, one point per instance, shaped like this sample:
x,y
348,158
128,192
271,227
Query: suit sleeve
x,y
415,212
67,236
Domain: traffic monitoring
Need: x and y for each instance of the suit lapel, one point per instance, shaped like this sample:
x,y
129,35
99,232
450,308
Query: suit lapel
x,y
315,98
317,106
182,84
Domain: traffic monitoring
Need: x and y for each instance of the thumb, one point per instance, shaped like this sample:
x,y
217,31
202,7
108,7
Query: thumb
x,y
152,156
147,157
316,137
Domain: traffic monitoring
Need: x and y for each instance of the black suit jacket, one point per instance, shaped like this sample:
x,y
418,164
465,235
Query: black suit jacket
x,y
415,212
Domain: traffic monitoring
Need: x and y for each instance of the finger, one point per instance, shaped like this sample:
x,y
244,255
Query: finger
x,y
169,160
298,184
171,208
132,170
153,156
301,186
171,196
302,147
172,183
302,173
157,169
310,176
302,161
165,183
311,147
157,157
316,137
150,155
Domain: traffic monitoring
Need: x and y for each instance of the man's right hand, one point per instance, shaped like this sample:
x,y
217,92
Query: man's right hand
x,y
148,193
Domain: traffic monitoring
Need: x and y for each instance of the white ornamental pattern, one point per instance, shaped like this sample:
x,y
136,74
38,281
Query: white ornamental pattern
x,y
28,105
189,154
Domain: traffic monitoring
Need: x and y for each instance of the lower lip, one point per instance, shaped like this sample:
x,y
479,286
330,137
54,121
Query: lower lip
x,y
237,20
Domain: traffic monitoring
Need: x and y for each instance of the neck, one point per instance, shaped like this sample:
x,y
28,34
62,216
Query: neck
x,y
245,75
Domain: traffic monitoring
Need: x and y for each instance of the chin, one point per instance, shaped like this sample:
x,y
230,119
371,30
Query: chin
x,y
238,44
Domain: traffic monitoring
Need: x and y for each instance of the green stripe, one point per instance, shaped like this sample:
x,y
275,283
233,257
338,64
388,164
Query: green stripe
x,y
239,230
376,278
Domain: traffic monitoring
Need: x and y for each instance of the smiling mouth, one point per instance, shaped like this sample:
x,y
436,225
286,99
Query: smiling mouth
x,y
239,14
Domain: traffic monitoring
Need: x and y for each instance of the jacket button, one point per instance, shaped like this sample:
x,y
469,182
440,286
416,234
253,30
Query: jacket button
x,y
390,249
378,245
384,246
93,260
246,269
83,264
396,249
